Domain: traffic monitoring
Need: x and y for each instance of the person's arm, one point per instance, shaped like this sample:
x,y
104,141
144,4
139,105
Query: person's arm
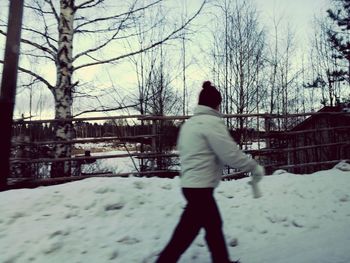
x,y
227,150
229,153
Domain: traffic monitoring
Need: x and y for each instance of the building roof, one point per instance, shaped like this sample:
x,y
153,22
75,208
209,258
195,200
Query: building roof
x,y
333,120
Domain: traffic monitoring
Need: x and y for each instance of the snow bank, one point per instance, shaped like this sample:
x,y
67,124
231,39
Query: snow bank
x,y
302,219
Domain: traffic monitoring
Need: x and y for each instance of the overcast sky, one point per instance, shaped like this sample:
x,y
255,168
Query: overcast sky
x,y
297,13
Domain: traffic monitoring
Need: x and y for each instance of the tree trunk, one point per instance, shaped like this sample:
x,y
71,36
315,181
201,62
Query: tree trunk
x,y
63,89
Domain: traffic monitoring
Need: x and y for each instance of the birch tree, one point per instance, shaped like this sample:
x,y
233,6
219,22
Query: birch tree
x,y
98,27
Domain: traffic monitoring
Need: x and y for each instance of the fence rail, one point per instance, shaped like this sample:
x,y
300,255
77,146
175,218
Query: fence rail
x,y
152,155
183,117
93,140
280,151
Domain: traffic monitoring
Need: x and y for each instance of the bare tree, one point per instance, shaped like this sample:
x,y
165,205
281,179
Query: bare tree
x,y
326,64
239,57
156,71
281,71
287,77
339,36
274,65
97,29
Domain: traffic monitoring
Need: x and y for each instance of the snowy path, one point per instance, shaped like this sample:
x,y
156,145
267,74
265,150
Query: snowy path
x,y
302,219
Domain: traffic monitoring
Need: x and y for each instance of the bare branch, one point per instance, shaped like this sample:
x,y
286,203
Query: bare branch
x,y
130,12
38,9
46,27
29,54
107,29
107,109
105,43
168,37
88,4
44,35
35,75
53,10
42,48
45,49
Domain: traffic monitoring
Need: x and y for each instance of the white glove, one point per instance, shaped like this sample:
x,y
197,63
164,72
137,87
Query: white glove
x,y
257,174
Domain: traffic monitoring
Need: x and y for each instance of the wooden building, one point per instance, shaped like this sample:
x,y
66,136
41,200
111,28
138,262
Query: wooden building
x,y
321,140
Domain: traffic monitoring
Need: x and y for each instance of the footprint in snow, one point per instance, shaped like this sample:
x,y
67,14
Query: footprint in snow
x,y
103,190
128,240
15,216
139,185
115,206
345,198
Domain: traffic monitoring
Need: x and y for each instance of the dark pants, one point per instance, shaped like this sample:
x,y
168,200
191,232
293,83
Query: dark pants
x,y
201,211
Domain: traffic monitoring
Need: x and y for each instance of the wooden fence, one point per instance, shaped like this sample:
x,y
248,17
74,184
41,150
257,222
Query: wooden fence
x,y
156,136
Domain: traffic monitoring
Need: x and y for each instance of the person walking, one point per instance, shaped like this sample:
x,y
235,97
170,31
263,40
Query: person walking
x,y
204,145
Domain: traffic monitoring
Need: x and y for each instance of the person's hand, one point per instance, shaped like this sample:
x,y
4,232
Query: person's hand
x,y
258,173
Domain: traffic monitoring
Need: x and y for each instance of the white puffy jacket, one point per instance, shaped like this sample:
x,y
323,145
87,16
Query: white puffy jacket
x,y
204,145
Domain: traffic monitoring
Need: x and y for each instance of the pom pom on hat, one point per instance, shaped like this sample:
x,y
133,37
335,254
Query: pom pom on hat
x,y
209,95
206,84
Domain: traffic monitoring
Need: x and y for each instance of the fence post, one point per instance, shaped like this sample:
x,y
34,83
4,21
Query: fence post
x,y
8,85
267,122
154,142
267,126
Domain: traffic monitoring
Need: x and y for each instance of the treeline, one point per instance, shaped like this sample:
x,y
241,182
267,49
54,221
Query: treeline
x,y
35,132
165,134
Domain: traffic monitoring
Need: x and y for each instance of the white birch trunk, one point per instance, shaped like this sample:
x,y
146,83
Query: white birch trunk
x,y
63,89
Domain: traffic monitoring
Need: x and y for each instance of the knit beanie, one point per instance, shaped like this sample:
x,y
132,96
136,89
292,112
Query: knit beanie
x,y
209,95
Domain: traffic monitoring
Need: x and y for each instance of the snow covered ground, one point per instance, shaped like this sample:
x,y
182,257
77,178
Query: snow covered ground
x,y
114,165
300,219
